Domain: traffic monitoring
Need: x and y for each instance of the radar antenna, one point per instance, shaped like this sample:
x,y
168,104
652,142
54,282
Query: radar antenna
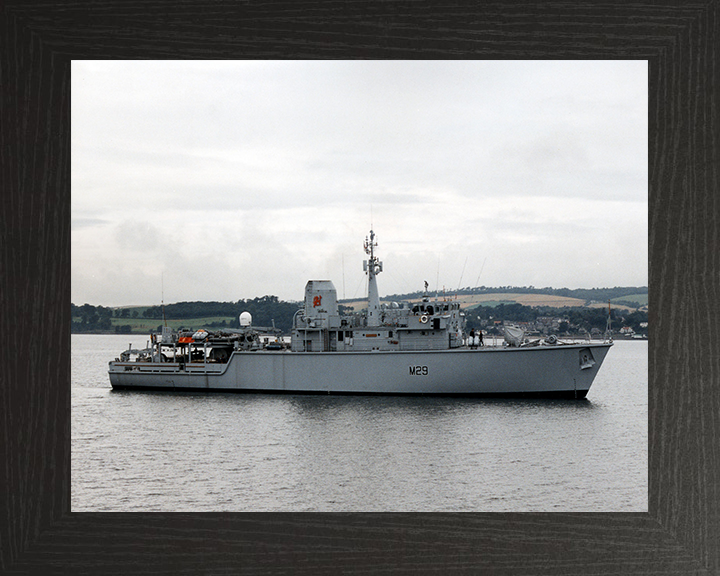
x,y
372,266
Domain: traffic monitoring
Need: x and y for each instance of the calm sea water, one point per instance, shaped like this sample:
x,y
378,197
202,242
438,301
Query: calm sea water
x,y
160,451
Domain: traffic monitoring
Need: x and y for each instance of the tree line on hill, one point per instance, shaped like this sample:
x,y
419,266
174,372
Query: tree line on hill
x,y
264,310
89,318
586,294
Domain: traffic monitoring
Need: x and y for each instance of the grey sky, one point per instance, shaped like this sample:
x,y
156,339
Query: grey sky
x,y
230,180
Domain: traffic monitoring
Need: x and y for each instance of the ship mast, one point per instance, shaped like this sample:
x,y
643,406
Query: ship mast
x,y
372,268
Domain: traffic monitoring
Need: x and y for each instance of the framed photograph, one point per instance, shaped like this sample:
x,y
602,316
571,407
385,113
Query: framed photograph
x,y
40,532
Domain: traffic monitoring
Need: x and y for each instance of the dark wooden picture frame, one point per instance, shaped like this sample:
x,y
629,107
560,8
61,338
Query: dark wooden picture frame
x,y
38,532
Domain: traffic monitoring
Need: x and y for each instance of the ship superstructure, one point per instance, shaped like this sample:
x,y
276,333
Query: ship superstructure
x,y
318,326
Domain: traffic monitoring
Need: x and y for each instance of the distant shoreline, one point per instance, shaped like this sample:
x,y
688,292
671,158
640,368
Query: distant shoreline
x,y
147,333
581,308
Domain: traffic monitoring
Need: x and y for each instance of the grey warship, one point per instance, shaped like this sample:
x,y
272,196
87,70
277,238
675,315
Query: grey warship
x,y
416,349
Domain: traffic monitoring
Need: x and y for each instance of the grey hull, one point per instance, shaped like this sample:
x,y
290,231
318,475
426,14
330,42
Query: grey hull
x,y
566,370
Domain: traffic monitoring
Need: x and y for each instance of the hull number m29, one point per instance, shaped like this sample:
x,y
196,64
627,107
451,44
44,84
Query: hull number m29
x,y
418,370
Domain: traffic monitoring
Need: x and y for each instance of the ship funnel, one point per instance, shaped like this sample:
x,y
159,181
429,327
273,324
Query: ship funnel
x,y
320,299
321,303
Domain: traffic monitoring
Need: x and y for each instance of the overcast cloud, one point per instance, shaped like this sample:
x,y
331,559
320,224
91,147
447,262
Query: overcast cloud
x,y
230,180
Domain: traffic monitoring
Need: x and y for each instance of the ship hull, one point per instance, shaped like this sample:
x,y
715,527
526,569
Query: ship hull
x,y
552,371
